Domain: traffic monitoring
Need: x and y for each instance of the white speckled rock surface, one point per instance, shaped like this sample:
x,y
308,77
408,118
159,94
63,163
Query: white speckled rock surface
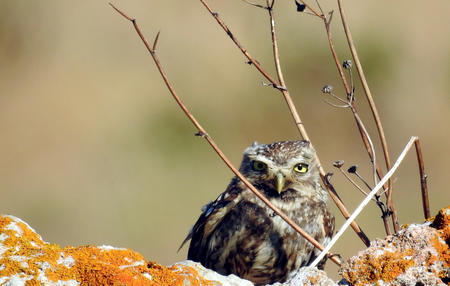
x,y
308,276
417,255
230,280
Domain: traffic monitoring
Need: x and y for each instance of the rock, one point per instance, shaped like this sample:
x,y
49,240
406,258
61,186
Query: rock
x,y
25,259
308,276
417,255
230,280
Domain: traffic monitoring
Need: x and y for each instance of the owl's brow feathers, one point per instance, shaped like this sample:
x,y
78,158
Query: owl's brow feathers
x,y
281,151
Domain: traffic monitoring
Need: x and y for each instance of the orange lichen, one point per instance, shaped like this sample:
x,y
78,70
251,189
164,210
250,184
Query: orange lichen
x,y
413,246
442,224
27,255
189,276
95,264
385,266
314,280
443,255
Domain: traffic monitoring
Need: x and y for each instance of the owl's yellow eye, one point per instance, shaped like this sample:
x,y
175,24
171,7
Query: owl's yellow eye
x,y
259,166
301,168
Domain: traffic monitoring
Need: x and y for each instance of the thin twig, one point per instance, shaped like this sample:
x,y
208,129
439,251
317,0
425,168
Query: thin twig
x,y
349,104
254,4
271,4
384,212
338,98
354,183
311,9
423,181
374,110
372,148
295,116
320,7
294,112
349,91
334,54
155,42
336,105
276,54
202,133
360,177
364,135
352,86
254,62
365,201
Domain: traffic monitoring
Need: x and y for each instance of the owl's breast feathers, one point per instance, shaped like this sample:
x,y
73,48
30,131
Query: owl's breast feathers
x,y
237,233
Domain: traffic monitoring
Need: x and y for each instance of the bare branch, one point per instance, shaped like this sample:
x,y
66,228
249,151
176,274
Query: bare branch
x,y
336,105
254,62
367,143
334,54
372,148
352,181
155,42
254,4
423,181
271,4
349,91
302,130
373,109
202,133
320,7
311,9
384,212
294,114
338,98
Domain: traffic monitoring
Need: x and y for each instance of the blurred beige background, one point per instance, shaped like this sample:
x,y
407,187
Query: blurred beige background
x,y
93,149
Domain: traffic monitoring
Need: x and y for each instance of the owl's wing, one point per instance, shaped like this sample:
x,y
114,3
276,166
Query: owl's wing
x,y
328,224
328,231
212,215
208,210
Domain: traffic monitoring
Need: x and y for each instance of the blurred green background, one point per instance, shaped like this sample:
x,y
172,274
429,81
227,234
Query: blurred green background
x,y
95,151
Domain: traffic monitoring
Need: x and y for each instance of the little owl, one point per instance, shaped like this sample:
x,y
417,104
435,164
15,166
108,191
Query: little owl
x,y
238,234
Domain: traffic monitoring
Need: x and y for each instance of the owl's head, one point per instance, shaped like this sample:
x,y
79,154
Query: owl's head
x,y
280,166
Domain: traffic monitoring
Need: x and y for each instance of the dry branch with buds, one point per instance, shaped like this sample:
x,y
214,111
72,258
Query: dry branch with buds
x,y
364,203
202,132
282,88
280,84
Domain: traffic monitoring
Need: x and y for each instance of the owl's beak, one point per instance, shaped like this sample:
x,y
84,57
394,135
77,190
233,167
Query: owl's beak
x,y
280,182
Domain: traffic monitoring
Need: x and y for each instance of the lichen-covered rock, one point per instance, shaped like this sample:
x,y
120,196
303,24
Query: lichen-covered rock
x,y
25,259
417,255
308,276
230,280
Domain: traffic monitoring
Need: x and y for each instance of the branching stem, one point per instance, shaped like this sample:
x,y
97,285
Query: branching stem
x,y
365,201
363,132
202,132
292,110
423,181
374,110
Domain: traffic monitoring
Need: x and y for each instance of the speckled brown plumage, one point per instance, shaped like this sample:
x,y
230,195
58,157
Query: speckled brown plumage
x,y
237,233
